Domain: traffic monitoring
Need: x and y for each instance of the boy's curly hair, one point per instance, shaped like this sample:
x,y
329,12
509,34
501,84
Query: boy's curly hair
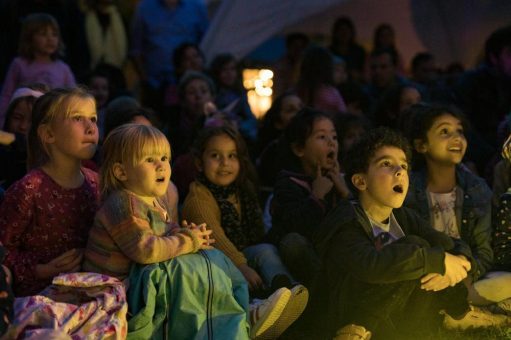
x,y
359,156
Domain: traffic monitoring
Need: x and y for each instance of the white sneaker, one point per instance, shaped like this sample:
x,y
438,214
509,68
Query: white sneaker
x,y
293,309
264,313
475,318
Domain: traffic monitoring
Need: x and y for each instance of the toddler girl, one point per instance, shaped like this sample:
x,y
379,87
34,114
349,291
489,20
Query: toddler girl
x,y
451,198
47,214
224,196
134,237
40,46
309,187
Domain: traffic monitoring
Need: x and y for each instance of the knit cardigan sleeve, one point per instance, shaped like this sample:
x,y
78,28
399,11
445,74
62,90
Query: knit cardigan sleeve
x,y
200,207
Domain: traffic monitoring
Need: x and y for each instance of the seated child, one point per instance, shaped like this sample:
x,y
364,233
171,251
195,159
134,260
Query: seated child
x,y
224,196
451,198
384,269
309,187
134,237
46,215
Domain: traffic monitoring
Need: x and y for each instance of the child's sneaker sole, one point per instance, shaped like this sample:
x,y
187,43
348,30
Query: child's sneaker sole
x,y
265,323
293,309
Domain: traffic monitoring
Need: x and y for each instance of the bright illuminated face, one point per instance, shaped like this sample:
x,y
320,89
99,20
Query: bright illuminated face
x,y
446,143
385,184
320,147
150,177
75,136
220,162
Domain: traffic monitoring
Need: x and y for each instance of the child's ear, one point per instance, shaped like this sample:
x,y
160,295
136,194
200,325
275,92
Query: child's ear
x,y
359,181
119,172
420,146
297,150
46,134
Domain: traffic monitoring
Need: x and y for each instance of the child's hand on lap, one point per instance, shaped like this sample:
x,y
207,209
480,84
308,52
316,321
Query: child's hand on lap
x,y
321,184
254,280
434,282
68,262
203,235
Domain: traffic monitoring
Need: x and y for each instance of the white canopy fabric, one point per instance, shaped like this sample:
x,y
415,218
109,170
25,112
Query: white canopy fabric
x,y
452,30
239,26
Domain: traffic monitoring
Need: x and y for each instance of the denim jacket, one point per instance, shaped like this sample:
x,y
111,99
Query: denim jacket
x,y
473,214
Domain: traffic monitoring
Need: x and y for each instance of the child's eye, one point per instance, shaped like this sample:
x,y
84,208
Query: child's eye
x,y
461,132
164,158
77,118
214,155
386,163
334,137
149,159
404,166
94,119
233,156
444,132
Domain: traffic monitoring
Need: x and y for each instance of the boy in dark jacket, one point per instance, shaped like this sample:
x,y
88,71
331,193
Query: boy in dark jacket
x,y
385,271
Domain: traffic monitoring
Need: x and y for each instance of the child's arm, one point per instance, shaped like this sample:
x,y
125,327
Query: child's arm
x,y
207,211
17,213
136,239
480,243
352,250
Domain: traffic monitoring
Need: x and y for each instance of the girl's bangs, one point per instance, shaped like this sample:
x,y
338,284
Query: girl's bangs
x,y
151,144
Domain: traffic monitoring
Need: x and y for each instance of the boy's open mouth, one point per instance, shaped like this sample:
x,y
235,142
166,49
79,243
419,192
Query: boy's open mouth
x,y
398,188
331,155
162,179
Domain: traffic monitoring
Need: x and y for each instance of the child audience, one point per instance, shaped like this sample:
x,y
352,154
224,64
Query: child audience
x,y
452,199
309,187
40,47
133,229
47,214
385,271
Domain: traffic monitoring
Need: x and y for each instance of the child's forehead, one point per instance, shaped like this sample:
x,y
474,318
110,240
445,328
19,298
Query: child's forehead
x,y
447,118
47,27
388,152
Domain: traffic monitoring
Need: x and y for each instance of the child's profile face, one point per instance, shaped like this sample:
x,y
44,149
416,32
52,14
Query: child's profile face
x,y
46,41
150,177
220,162
320,147
21,118
385,184
446,143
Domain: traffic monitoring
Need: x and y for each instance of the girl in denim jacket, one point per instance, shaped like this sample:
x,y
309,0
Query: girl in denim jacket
x,y
453,199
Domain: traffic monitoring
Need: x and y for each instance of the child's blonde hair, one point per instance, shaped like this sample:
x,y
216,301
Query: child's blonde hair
x,y
31,25
56,103
128,144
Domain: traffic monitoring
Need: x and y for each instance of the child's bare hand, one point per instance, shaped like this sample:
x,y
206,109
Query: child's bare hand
x,y
203,235
68,262
434,282
456,268
254,280
338,179
321,185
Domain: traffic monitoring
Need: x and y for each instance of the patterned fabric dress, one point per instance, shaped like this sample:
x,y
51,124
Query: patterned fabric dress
x,y
41,220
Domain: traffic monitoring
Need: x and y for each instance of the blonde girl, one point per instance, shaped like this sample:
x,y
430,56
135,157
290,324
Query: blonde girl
x,y
46,216
40,47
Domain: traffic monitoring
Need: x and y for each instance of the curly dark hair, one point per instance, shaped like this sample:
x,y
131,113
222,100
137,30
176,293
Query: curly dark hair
x,y
419,118
359,156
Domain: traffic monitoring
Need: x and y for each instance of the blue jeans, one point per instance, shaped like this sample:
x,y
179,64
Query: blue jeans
x,y
265,259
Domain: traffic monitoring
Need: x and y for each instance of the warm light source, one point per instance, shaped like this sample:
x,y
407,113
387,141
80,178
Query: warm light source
x,y
258,83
